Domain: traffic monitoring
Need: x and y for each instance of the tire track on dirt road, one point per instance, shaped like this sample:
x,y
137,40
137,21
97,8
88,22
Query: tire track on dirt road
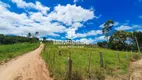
x,y
30,66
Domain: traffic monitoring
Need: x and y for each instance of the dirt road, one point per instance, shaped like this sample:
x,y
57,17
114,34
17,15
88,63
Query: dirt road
x,y
30,66
136,70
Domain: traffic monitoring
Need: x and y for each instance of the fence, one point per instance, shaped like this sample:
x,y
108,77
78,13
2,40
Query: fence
x,y
70,60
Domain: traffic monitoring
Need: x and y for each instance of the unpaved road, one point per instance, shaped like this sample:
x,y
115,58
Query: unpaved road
x,y
136,70
30,66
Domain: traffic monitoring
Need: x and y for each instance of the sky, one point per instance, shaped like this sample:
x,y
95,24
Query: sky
x,y
79,20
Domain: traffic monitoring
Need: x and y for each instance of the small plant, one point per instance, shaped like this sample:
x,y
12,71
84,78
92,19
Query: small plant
x,y
76,75
11,56
135,57
98,74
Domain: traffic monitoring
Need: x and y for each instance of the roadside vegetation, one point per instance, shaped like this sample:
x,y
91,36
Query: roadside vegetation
x,y
116,63
10,51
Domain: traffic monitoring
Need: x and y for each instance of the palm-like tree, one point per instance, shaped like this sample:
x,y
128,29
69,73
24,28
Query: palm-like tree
x,y
107,28
29,35
44,38
36,33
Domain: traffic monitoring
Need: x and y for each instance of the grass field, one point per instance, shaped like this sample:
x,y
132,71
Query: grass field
x,y
8,52
58,64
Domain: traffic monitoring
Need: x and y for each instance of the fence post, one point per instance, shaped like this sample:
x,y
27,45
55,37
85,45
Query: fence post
x,y
59,53
126,54
48,55
89,61
118,56
69,68
131,54
54,56
101,60
137,45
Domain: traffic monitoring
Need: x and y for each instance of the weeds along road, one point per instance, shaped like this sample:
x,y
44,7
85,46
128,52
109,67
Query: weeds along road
x,y
30,66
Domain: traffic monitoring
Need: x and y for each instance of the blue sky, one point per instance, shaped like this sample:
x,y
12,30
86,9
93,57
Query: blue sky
x,y
80,20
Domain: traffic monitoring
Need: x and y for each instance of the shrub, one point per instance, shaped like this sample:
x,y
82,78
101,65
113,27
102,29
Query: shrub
x,y
98,74
135,57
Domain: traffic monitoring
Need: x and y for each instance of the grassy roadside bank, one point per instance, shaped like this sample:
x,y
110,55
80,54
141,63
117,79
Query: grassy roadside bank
x,y
10,51
58,63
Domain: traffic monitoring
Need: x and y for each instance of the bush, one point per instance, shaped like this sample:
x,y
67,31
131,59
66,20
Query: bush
x,y
135,57
98,74
76,75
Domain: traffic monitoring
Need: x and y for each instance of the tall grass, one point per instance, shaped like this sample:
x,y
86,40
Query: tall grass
x,y
8,52
58,64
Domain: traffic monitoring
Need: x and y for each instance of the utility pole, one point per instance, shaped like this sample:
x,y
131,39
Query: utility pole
x,y
137,44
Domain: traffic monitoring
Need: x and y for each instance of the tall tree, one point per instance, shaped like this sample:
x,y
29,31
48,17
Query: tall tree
x,y
36,34
121,40
44,38
138,39
29,35
107,28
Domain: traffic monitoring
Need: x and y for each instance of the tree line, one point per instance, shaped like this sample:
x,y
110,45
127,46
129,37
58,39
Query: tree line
x,y
120,40
11,39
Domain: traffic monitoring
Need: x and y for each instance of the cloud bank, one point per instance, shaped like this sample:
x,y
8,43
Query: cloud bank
x,y
65,19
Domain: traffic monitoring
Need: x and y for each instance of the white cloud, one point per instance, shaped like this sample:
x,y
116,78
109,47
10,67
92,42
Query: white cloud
x,y
90,33
86,41
102,25
116,23
100,38
75,1
68,15
123,27
4,5
133,27
70,33
90,40
22,24
37,5
137,26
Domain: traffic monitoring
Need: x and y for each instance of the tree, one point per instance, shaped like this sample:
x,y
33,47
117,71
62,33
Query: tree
x,y
102,44
107,28
44,38
1,38
29,35
36,33
11,39
121,40
138,39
